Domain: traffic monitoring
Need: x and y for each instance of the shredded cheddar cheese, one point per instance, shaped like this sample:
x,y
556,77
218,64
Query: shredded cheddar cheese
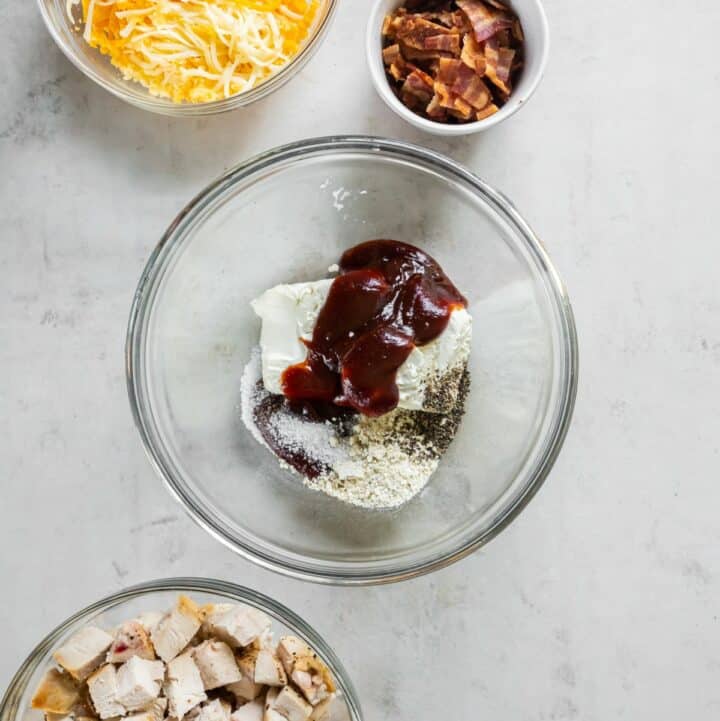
x,y
197,51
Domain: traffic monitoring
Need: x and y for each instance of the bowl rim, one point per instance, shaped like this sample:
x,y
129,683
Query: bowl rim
x,y
307,570
432,126
10,702
164,106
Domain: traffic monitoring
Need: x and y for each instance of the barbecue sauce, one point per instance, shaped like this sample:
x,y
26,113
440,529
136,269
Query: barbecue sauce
x,y
389,297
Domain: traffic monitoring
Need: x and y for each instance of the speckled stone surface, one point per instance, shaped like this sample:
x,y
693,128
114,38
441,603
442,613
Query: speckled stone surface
x,y
602,601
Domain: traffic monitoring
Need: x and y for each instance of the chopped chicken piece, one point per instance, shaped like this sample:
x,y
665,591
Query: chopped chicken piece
x,y
138,682
59,716
292,705
210,610
321,712
56,694
289,649
306,669
217,664
104,692
184,686
268,669
217,710
150,619
246,689
154,712
175,631
237,625
271,713
83,652
131,639
252,711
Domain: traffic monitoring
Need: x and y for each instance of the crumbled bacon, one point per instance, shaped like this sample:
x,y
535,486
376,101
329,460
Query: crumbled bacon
x,y
439,53
413,30
391,53
498,65
447,43
486,21
487,111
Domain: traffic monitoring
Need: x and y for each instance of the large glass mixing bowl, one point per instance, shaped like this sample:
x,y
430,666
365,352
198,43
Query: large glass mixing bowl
x,y
285,216
159,596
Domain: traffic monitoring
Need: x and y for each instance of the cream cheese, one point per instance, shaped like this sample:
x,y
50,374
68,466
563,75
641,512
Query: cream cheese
x,y
289,312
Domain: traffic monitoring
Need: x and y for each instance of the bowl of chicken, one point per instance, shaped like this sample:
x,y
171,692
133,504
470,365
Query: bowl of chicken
x,y
186,650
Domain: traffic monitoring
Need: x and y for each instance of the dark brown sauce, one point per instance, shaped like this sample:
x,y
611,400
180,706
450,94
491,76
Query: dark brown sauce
x,y
389,297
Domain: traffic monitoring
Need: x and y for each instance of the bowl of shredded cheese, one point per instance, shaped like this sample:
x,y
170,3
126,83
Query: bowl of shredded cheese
x,y
188,57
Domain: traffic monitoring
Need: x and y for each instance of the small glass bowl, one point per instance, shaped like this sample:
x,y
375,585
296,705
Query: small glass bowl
x,y
157,596
284,217
98,67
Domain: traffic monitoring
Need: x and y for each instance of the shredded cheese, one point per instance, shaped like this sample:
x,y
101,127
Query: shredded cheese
x,y
197,51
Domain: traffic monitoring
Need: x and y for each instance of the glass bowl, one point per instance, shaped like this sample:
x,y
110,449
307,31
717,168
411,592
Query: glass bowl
x,y
159,595
99,68
285,216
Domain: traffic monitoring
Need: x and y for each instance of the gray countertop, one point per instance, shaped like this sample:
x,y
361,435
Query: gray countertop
x,y
602,600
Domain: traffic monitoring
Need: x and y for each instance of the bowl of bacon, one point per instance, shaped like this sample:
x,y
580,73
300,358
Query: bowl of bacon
x,y
455,67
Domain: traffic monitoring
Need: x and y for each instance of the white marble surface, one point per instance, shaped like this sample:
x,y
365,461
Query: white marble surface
x,y
602,601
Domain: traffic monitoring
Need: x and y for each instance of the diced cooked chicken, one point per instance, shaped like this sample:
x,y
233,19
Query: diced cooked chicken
x,y
139,682
271,713
184,686
268,669
155,711
321,712
223,649
217,710
175,631
217,664
59,716
292,705
235,624
83,652
56,693
149,620
252,711
305,669
246,689
131,639
103,692
210,611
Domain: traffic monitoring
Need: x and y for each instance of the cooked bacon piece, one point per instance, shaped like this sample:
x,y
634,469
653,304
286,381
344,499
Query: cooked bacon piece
x,y
499,64
497,5
428,56
413,29
391,54
463,81
486,112
447,43
486,21
473,55
462,110
517,32
419,85
505,64
436,111
387,28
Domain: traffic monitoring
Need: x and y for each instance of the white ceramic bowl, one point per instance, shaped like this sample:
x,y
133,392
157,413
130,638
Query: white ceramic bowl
x,y
537,46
